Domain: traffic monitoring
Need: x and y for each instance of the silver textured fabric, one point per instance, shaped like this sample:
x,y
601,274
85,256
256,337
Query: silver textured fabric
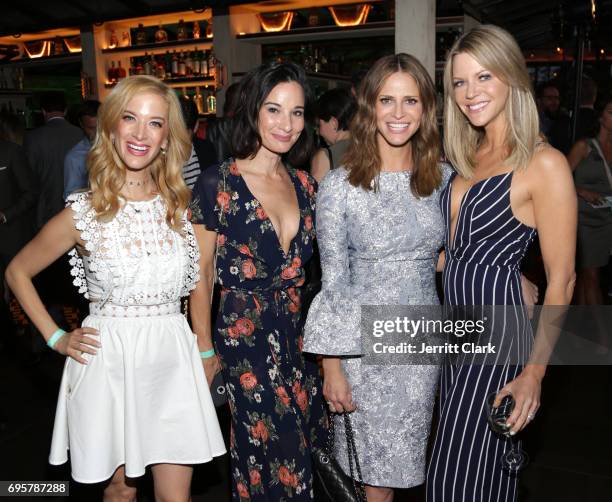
x,y
377,248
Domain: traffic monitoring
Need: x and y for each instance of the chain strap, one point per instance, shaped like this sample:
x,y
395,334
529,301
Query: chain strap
x,y
352,455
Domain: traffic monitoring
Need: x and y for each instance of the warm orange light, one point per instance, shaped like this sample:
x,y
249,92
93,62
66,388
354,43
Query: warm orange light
x,y
73,44
277,21
601,51
559,50
352,15
37,49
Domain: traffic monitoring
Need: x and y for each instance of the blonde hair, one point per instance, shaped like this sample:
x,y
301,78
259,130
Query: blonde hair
x,y
362,158
496,50
107,172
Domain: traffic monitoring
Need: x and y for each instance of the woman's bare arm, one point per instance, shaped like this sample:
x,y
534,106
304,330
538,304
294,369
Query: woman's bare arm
x,y
319,165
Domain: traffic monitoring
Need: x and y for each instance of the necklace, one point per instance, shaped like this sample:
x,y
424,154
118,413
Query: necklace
x,y
138,183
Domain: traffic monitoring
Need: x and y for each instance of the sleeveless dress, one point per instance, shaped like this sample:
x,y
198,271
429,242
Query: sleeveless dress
x,y
143,398
274,394
482,268
377,248
594,224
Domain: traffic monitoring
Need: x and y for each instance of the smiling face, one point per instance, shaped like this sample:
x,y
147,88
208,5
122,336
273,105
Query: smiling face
x,y
142,131
281,117
480,95
398,109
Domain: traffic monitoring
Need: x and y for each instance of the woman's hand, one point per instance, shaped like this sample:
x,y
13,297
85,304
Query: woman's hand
x,y
525,389
530,294
590,196
75,343
336,389
212,366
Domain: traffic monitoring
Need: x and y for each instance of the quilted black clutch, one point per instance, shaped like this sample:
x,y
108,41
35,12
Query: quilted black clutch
x,y
331,483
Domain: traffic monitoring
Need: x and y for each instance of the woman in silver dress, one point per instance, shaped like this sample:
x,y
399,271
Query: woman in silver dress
x,y
379,228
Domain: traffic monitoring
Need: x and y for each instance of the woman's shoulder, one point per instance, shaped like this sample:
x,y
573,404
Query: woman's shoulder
x,y
336,177
79,201
447,171
548,159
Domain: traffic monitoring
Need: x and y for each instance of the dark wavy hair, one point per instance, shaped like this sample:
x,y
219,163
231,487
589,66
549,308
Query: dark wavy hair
x,y
337,103
253,90
362,158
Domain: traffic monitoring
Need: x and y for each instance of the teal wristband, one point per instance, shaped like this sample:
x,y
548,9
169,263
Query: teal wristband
x,y
57,334
207,354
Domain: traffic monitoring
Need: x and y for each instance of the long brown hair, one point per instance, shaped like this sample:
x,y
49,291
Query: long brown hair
x,y
106,169
362,159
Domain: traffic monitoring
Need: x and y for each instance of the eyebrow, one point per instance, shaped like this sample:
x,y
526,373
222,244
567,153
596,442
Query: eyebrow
x,y
280,106
416,96
135,114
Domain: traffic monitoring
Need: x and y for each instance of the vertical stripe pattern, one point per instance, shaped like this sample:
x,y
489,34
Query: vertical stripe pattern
x,y
482,268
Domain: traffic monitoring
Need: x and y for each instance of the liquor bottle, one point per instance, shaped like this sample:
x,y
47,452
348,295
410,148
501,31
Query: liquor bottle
x,y
112,42
209,28
212,64
197,66
139,67
211,103
112,73
160,72
199,101
161,35
147,64
132,68
204,64
125,39
317,61
141,35
168,64
196,29
121,74
184,94
188,65
181,65
181,32
175,71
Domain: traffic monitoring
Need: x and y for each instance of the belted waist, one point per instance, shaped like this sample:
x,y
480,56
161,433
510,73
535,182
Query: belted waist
x,y
104,309
391,259
261,292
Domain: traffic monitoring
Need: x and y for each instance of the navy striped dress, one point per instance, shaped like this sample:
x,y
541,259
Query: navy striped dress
x,y
482,268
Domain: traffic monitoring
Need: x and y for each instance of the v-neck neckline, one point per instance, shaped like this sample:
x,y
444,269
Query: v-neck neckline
x,y
286,254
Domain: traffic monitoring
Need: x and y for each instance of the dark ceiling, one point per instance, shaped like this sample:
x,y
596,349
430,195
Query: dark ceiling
x,y
535,23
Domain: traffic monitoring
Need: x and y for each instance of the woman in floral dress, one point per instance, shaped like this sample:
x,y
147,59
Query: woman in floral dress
x,y
254,216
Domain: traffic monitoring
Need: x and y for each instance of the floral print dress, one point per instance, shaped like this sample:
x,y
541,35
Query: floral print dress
x,y
274,393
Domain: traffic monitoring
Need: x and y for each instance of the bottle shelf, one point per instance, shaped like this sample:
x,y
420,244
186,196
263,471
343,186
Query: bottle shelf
x,y
179,82
159,45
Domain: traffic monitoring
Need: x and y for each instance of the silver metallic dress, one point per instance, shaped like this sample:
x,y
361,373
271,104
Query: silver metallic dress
x,y
377,247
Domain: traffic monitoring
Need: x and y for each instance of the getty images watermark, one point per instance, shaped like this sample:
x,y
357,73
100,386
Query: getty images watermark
x,y
486,335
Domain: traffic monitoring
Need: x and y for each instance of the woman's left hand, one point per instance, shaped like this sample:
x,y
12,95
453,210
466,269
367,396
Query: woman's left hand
x,y
212,366
525,390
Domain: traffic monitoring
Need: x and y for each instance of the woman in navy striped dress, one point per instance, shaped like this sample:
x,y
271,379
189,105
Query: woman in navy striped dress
x,y
509,187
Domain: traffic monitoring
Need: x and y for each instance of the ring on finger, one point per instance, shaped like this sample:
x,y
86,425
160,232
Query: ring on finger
x,y
530,416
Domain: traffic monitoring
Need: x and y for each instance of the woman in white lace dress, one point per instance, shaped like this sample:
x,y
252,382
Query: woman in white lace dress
x,y
134,390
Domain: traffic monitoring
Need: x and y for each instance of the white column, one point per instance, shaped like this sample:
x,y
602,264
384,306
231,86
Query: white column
x,y
415,30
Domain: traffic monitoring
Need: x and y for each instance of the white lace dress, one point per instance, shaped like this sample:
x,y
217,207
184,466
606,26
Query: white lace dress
x,y
143,398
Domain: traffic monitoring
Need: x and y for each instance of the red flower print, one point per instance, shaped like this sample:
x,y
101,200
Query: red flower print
x,y
233,169
260,431
221,240
284,476
300,343
294,308
281,392
245,326
296,262
303,177
233,332
248,269
242,490
300,282
289,273
310,189
260,213
248,380
244,249
296,387
255,477
295,480
308,222
223,200
302,399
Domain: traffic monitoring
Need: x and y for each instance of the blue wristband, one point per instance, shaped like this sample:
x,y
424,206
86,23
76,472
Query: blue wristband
x,y
207,354
57,334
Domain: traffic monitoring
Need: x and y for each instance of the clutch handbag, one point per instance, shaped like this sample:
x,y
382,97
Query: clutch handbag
x,y
331,484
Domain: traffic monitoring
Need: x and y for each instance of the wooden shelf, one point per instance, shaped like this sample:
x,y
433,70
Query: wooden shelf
x,y
159,45
318,33
179,82
46,60
328,76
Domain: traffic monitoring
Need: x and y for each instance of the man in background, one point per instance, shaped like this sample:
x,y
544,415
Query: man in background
x,y
46,148
75,163
554,123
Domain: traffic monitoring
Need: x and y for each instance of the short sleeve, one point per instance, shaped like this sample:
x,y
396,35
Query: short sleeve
x,y
203,207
